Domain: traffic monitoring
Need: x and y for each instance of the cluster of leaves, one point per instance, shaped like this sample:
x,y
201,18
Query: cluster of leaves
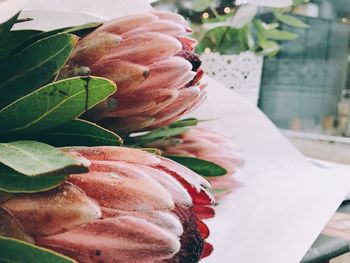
x,y
38,113
261,37
34,107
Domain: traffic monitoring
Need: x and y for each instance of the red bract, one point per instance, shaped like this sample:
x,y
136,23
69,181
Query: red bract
x,y
130,207
211,146
151,60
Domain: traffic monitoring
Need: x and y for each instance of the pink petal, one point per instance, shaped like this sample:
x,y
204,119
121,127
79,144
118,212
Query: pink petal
x,y
176,18
224,182
124,24
204,211
165,220
145,103
173,72
121,187
178,192
54,211
207,250
178,107
165,27
93,47
115,240
182,173
110,153
203,229
188,43
128,76
146,48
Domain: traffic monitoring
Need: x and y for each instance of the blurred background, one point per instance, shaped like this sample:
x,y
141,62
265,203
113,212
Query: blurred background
x,y
293,62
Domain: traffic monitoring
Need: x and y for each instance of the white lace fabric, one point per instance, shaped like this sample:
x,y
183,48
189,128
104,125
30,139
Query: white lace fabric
x,y
242,72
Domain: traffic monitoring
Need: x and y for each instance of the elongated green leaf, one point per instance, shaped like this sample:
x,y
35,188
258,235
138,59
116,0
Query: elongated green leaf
x,y
14,182
154,135
36,158
185,123
200,166
14,38
201,5
83,29
77,30
34,66
54,105
272,26
80,133
259,28
292,21
276,34
269,48
6,27
10,227
13,250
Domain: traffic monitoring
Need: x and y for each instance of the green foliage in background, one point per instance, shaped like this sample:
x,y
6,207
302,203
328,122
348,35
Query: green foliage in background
x,y
220,34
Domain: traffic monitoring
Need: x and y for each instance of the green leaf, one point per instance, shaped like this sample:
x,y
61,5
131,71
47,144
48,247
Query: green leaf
x,y
36,158
300,2
260,29
272,26
83,29
14,182
6,27
292,21
269,48
201,5
14,38
154,135
276,34
34,66
225,40
80,133
200,166
13,250
77,30
10,227
54,105
184,123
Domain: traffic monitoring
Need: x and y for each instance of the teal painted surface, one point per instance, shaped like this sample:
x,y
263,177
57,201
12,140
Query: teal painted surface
x,y
306,79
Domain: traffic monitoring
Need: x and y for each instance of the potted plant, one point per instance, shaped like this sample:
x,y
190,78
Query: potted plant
x,y
234,39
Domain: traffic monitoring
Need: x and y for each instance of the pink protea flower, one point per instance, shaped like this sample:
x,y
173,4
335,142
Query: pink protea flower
x,y
151,60
130,207
212,146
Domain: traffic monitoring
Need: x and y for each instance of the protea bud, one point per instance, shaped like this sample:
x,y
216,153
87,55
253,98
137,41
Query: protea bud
x,y
211,146
130,207
151,60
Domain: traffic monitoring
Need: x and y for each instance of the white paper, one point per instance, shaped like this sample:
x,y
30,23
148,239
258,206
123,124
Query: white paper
x,y
50,14
285,201
9,8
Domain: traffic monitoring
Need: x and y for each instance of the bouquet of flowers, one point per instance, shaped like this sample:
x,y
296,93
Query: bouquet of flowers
x,y
71,97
